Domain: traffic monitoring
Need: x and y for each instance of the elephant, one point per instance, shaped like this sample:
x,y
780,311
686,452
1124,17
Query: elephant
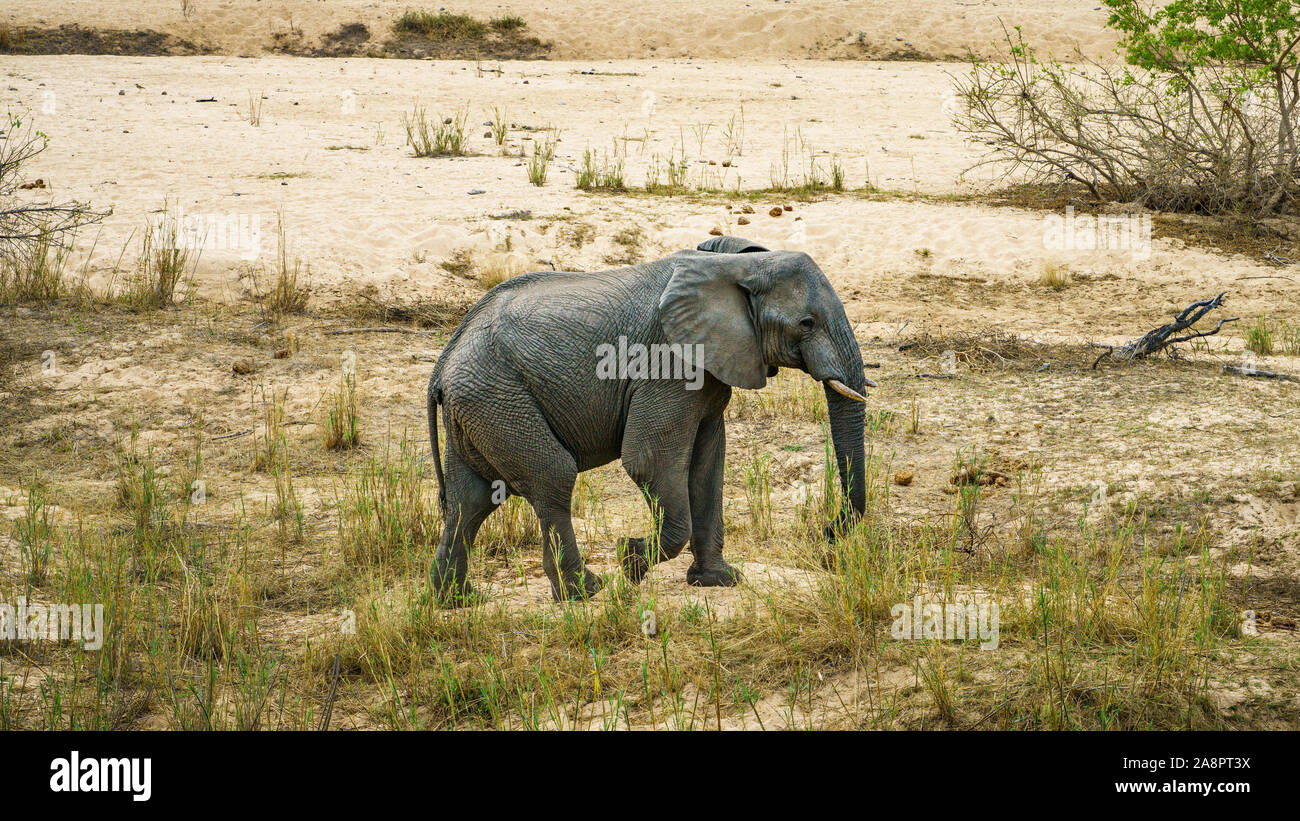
x,y
531,397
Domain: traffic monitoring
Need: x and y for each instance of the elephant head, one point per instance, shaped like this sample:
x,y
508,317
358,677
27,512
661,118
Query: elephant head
x,y
754,311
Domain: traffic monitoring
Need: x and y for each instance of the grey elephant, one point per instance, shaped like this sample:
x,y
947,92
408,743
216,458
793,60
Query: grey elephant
x,y
555,373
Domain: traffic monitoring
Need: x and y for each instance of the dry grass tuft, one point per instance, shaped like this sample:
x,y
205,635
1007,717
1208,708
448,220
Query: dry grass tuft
x,y
1054,276
165,258
340,423
291,291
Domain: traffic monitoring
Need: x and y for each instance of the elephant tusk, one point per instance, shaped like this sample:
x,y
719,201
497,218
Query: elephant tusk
x,y
844,390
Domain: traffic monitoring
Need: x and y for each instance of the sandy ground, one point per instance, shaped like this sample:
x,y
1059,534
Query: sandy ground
x,y
330,152
329,156
600,30
364,215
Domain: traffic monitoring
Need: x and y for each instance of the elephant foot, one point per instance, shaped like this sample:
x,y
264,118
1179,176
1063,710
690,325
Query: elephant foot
x,y
836,529
634,558
724,576
451,596
450,587
572,590
830,559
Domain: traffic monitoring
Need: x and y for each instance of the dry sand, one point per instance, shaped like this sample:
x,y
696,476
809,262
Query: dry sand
x,y
329,156
363,214
604,29
359,209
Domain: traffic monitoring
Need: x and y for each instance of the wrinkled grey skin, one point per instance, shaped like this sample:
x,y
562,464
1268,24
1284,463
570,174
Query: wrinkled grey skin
x,y
522,404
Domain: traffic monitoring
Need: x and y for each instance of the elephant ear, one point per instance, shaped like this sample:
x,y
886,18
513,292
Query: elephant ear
x,y
729,245
706,303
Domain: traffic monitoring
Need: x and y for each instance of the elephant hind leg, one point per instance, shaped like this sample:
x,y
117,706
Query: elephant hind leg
x,y
543,471
469,500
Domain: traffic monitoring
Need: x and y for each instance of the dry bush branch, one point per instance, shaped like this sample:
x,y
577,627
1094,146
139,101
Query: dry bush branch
x,y
1162,337
23,223
1213,138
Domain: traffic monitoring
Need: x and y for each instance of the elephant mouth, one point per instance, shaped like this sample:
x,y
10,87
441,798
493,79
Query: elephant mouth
x,y
844,390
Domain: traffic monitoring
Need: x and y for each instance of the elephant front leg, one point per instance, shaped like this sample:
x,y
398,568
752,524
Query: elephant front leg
x,y
709,569
670,508
657,459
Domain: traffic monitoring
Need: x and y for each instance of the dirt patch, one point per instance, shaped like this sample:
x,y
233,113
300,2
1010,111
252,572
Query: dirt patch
x,y
463,43
497,46
74,39
441,311
989,347
349,40
1274,240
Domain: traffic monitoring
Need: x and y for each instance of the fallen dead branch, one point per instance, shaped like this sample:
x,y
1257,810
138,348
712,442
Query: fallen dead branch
x,y
388,330
1163,337
442,313
1240,370
234,435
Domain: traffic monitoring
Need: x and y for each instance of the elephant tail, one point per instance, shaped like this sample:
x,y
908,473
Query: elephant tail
x,y
433,398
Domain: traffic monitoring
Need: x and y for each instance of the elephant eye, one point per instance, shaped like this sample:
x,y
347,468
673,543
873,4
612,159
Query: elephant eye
x,y
806,322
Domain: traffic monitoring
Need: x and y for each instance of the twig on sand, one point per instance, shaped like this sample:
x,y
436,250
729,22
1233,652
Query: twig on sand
x,y
1162,337
1240,370
1276,258
384,330
234,435
334,690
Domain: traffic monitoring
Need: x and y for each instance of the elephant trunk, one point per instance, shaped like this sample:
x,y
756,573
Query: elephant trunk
x,y
838,365
848,419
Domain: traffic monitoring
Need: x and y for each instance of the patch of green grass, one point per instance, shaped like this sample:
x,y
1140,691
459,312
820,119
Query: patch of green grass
x,y
166,257
600,173
33,271
443,137
1259,337
1288,336
509,22
540,161
441,26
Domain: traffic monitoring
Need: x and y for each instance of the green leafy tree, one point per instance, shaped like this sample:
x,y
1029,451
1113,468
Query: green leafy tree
x,y
1188,34
1258,38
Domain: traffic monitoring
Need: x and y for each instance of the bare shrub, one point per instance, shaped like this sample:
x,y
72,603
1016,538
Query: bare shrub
x,y
1175,133
35,234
